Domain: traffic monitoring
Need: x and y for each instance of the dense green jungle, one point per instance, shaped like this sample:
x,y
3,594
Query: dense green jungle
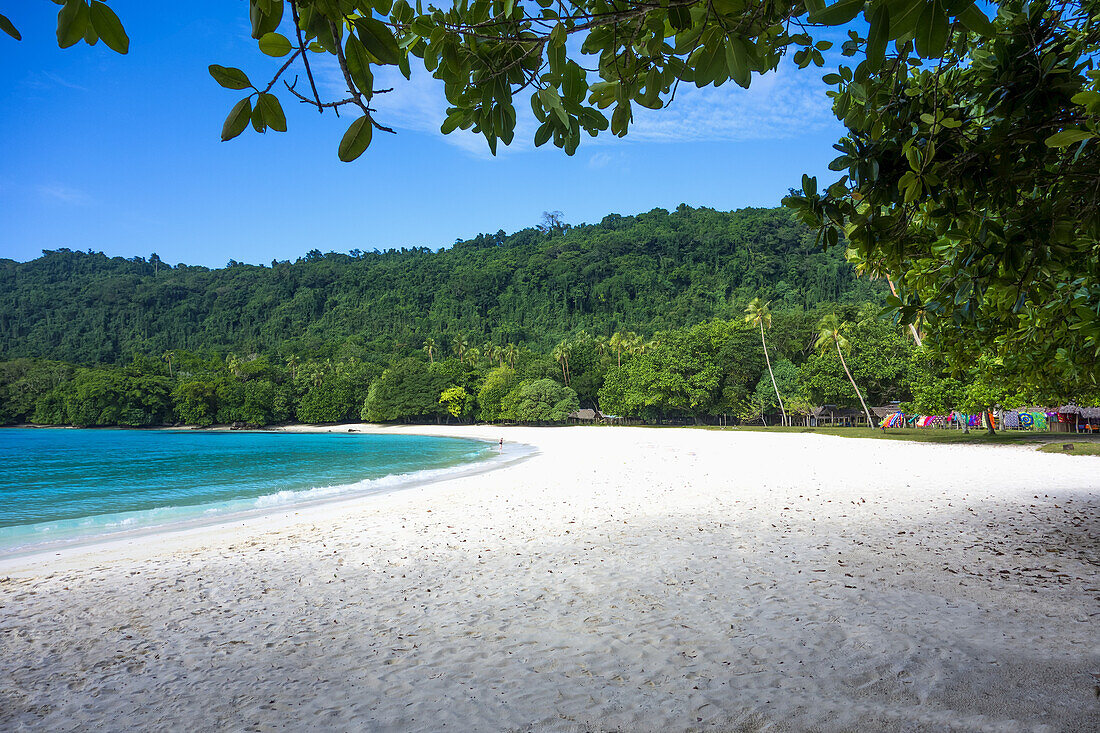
x,y
641,316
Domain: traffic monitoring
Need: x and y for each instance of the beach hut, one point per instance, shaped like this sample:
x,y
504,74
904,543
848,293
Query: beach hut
x,y
880,412
1065,420
1074,419
831,416
587,415
1090,419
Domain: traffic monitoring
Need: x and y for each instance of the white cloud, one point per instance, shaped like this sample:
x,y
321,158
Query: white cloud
x,y
600,160
48,80
63,194
780,105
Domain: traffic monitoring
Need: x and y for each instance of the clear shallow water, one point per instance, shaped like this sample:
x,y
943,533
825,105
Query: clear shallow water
x,y
60,485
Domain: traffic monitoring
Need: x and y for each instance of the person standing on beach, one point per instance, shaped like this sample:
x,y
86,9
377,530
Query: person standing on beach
x,y
502,445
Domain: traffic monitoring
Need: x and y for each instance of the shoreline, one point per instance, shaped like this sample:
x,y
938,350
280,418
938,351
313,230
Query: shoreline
x,y
32,555
672,580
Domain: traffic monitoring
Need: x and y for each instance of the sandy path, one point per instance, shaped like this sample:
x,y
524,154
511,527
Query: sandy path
x,y
621,579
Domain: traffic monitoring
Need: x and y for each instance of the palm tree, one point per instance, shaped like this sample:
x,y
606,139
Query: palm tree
x,y
617,345
459,345
561,356
429,346
510,354
292,365
829,333
168,356
758,314
471,355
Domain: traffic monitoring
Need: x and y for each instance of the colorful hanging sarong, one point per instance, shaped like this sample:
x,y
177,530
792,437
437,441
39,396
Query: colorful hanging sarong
x,y
1026,420
894,420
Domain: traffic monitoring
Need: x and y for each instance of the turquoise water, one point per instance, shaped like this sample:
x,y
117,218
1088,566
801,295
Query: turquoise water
x,y
59,485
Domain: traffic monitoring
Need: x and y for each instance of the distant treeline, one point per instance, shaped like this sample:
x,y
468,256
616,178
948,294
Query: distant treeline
x,y
713,368
648,273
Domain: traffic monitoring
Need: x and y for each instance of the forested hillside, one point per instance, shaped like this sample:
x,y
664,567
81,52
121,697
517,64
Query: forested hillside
x,y
645,273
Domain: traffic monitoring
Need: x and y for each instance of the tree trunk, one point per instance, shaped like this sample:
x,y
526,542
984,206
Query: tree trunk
x,y
870,422
770,373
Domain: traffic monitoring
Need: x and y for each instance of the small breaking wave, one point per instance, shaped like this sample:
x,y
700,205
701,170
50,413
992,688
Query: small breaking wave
x,y
31,538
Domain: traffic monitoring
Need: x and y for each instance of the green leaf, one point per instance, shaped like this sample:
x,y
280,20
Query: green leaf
x,y
238,119
451,123
356,139
903,17
1066,138
265,16
878,35
620,119
7,27
72,21
272,112
932,31
975,20
737,61
557,36
359,65
543,134
109,27
679,18
831,79
837,13
230,77
275,44
378,39
258,120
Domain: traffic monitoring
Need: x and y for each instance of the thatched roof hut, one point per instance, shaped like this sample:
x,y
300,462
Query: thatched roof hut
x,y
831,415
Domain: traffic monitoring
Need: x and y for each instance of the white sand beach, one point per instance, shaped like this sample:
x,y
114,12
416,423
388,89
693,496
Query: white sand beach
x,y
620,579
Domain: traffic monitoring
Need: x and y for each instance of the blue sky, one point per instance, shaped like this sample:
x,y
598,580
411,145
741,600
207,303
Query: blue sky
x,y
121,154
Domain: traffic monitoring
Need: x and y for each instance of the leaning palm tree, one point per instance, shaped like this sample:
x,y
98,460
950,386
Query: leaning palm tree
x,y
429,346
758,314
829,334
